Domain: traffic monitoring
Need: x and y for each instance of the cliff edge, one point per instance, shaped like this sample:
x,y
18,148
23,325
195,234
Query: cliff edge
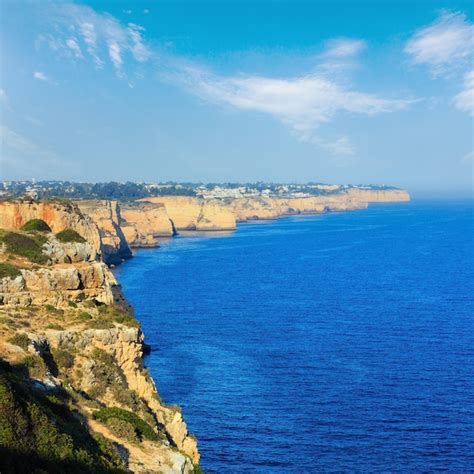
x,y
74,393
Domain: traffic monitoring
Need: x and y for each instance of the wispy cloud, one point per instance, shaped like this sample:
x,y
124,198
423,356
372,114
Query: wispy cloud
x,y
464,101
22,152
446,44
344,47
446,47
73,45
97,36
41,76
302,103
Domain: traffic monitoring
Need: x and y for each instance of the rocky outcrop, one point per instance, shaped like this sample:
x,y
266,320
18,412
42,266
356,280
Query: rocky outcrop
x,y
61,284
143,223
125,346
189,213
106,215
59,215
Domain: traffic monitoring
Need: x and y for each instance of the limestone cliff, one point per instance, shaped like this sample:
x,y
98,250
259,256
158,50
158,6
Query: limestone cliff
x,y
67,333
58,214
144,222
106,215
189,213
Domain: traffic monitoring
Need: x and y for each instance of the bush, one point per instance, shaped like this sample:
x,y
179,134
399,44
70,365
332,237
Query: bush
x,y
72,304
143,429
20,340
122,429
40,434
69,235
37,225
55,326
84,316
25,246
63,359
7,270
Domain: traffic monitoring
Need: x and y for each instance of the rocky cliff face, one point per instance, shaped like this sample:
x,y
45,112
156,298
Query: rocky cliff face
x,y
144,222
59,215
106,215
67,332
189,213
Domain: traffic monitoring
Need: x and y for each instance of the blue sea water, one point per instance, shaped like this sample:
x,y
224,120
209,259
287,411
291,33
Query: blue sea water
x,y
341,342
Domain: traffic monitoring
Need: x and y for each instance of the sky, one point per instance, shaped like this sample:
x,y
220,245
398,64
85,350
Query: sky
x,y
373,92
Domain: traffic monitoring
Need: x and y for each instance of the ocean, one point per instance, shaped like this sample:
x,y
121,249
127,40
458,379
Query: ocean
x,y
341,342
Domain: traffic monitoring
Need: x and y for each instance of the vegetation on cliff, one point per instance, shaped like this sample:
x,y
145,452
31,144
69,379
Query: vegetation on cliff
x,y
43,433
22,245
7,270
70,235
36,225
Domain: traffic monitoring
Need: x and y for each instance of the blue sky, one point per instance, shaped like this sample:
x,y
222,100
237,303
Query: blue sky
x,y
331,91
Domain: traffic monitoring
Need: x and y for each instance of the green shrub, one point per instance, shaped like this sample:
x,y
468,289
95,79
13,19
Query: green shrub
x,y
37,225
142,429
69,235
100,324
84,316
20,340
63,359
72,304
25,246
39,434
7,270
122,429
55,326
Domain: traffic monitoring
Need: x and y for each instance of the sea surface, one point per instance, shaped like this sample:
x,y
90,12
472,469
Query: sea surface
x,y
341,342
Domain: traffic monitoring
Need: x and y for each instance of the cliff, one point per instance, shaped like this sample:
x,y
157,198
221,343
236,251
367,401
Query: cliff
x,y
74,393
144,222
189,213
58,214
106,215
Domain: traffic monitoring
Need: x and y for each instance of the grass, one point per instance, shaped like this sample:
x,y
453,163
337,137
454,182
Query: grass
x,y
20,340
69,235
54,326
142,429
36,225
25,246
7,270
114,314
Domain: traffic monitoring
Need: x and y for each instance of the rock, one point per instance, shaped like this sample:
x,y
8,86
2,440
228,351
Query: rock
x,y
144,222
106,215
190,213
58,215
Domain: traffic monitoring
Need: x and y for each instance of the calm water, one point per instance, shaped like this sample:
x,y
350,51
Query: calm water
x,y
341,342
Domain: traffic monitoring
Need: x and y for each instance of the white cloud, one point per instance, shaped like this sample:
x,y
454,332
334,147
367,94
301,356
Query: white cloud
x,y
464,101
90,39
446,44
99,34
72,44
302,103
41,76
344,47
